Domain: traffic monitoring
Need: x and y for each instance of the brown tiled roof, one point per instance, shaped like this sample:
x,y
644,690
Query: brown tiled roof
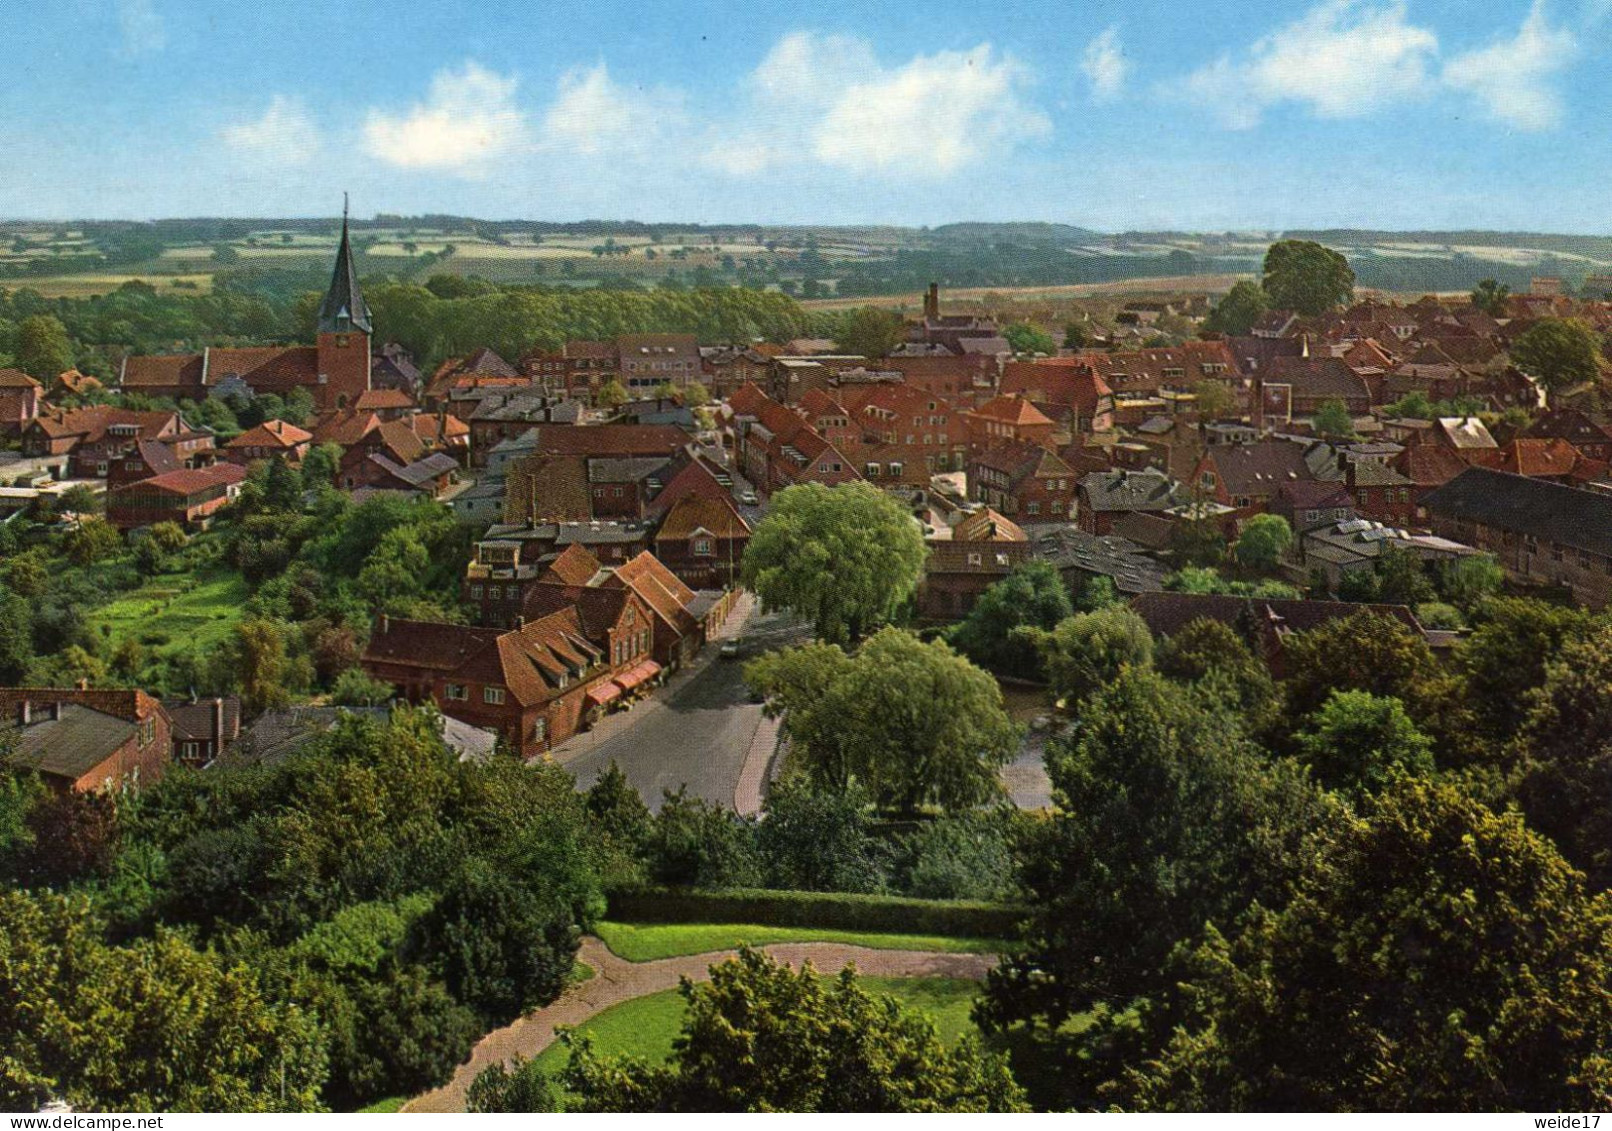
x,y
1012,409
271,433
1020,458
1317,376
574,566
383,398
610,440
189,480
92,423
552,489
660,589
597,609
987,526
1429,465
400,441
1060,381
1259,468
17,379
1546,458
182,370
693,512
1168,613
344,427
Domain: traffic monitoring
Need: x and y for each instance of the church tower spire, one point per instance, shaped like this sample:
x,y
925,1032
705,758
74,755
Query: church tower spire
x,y
344,309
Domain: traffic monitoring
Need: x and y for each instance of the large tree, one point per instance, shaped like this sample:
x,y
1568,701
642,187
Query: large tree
x,y
1168,818
870,331
43,347
764,1038
1307,278
1438,957
914,723
1032,596
1558,351
1236,313
156,1025
1358,741
1087,652
846,558
1567,739
1265,538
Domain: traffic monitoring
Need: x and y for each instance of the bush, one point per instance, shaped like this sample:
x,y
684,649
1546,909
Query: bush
x,y
890,914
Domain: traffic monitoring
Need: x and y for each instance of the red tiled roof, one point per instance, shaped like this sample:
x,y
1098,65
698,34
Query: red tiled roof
x,y
375,399
17,379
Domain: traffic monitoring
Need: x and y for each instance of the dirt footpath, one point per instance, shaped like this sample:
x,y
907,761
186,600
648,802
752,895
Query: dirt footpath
x,y
616,980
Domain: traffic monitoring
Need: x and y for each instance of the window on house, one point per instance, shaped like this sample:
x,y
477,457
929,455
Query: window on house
x,y
540,730
493,695
873,471
974,559
1033,508
495,593
1555,551
457,692
702,545
192,749
895,469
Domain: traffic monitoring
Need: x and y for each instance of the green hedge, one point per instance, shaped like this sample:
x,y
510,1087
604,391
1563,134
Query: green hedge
x,y
893,914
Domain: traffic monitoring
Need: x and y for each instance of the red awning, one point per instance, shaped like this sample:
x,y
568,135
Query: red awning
x,y
632,677
603,693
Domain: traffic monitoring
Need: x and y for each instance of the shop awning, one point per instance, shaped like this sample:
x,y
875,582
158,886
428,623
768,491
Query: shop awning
x,y
634,676
603,693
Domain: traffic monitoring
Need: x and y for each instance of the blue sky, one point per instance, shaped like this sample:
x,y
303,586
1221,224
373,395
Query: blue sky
x,y
1193,114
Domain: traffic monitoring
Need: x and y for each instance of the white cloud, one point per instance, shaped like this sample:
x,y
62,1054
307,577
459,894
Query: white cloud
x,y
827,99
469,118
142,27
1342,59
593,114
285,135
1510,78
1104,63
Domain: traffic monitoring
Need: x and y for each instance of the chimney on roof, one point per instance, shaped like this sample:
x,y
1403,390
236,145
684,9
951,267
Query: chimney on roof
x,y
25,713
932,302
520,622
218,726
386,624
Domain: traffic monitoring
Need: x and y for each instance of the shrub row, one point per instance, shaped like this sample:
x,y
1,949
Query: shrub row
x,y
892,914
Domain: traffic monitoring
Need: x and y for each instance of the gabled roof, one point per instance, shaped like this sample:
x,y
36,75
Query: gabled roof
x,y
986,525
1124,490
169,370
692,513
1429,465
188,481
17,379
1466,432
1534,507
419,472
1545,458
574,566
1168,613
1261,467
660,589
1020,459
375,399
271,434
70,745
1012,409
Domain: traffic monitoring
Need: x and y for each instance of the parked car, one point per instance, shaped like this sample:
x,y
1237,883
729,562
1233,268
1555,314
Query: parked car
x,y
730,647
749,499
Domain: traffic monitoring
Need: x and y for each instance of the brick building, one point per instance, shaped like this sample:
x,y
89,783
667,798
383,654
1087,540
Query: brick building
x,y
86,739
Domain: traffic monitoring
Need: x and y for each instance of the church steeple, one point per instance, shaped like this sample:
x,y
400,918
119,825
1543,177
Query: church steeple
x,y
344,309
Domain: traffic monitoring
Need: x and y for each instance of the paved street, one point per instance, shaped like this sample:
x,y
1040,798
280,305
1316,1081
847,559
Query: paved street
x,y
696,732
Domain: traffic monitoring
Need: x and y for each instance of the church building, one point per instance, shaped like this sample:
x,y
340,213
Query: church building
x,y
335,370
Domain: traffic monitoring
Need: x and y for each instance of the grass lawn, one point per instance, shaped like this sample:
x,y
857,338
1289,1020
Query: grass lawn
x,y
384,1107
645,1026
642,942
176,610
